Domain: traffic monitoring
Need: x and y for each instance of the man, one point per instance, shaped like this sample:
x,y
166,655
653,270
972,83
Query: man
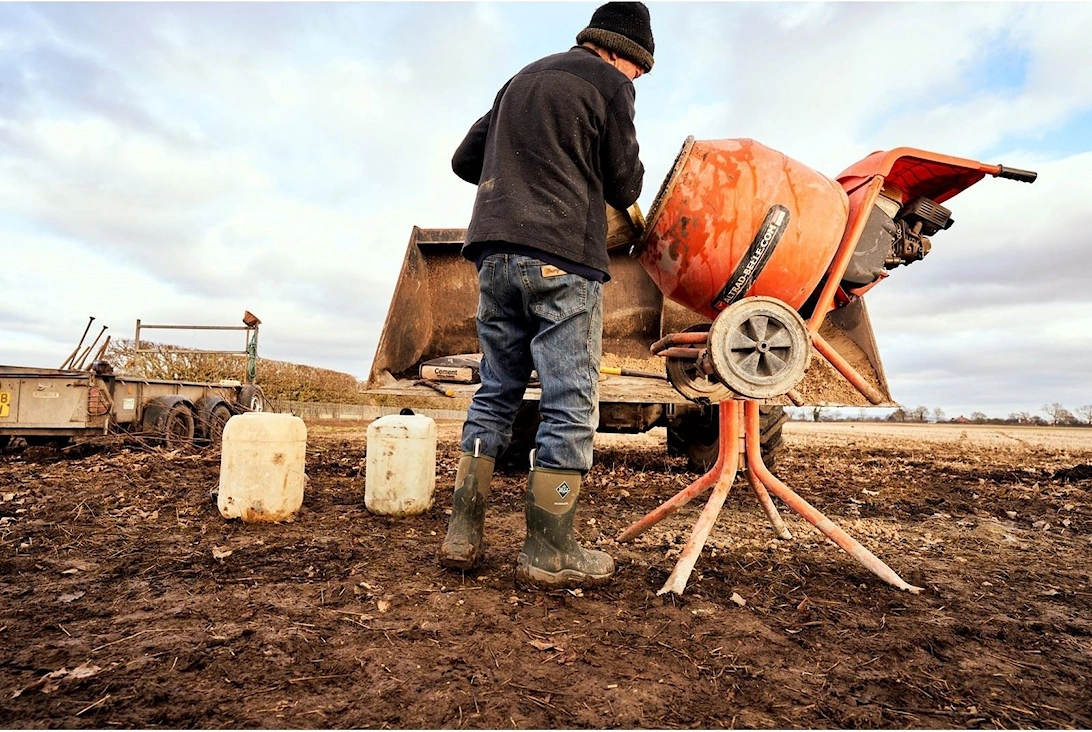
x,y
558,144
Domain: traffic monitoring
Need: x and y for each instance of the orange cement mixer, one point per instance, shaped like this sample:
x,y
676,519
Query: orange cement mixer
x,y
757,242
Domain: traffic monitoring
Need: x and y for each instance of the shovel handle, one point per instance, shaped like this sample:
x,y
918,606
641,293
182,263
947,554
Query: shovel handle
x,y
435,387
617,371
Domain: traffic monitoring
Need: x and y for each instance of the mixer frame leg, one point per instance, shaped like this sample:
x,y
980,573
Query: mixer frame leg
x,y
741,433
830,529
728,461
768,507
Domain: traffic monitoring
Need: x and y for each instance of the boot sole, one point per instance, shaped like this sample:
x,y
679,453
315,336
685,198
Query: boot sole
x,y
527,576
460,561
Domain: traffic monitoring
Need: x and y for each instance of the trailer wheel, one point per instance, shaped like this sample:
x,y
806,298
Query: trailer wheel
x,y
211,422
698,436
178,428
4,440
251,398
170,421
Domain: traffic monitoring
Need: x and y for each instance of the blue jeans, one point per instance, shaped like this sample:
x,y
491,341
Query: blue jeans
x,y
532,315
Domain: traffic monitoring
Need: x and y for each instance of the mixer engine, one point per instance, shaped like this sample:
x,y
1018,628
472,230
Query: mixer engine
x,y
895,235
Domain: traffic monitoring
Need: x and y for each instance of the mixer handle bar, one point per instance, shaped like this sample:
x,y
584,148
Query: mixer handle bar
x,y
1024,176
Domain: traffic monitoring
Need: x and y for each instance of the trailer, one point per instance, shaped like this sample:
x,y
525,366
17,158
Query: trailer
x,y
52,406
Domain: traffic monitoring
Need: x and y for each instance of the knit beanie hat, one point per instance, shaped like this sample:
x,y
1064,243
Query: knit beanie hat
x,y
624,28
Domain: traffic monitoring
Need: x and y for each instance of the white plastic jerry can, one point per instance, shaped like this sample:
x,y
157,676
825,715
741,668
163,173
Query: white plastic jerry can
x,y
400,470
262,467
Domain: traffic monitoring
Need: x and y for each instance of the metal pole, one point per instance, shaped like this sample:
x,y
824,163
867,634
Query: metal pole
x,y
252,357
67,361
673,504
845,369
729,450
809,512
844,253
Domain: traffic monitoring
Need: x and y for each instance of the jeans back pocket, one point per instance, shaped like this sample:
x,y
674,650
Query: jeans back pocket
x,y
553,295
487,302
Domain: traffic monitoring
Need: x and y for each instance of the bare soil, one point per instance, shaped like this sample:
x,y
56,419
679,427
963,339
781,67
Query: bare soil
x,y
127,601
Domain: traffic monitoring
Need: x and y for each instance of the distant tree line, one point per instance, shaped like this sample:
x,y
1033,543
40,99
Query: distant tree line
x,y
1053,415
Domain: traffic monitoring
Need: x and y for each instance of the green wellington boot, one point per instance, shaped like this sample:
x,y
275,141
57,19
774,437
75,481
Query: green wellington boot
x,y
462,547
551,557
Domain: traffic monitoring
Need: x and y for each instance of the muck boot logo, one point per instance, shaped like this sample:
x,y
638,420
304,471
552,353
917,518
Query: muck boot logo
x,y
563,489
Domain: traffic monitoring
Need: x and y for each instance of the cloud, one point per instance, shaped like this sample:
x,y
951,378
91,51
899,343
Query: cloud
x,y
1011,243
184,162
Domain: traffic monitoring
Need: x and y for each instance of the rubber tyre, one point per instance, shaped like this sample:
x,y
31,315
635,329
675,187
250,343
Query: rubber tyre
x,y
178,427
759,347
683,374
251,398
698,436
211,427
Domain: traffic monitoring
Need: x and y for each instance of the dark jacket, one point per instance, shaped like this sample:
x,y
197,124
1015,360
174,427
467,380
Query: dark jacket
x,y
557,144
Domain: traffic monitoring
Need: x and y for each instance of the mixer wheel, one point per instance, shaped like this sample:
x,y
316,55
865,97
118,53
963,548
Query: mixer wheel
x,y
759,347
692,382
688,380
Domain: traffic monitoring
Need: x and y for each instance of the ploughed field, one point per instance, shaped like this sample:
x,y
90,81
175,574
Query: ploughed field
x,y
127,601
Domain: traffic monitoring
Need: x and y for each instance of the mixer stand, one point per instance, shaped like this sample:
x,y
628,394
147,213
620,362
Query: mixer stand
x,y
740,434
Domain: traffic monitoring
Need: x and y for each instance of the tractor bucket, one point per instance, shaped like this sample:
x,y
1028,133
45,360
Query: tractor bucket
x,y
848,332
433,309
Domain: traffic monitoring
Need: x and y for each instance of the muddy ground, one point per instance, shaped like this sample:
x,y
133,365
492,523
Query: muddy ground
x,y
127,601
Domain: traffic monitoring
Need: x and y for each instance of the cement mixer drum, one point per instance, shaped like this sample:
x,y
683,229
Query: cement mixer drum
x,y
737,219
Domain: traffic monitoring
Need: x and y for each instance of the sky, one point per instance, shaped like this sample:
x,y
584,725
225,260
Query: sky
x,y
182,163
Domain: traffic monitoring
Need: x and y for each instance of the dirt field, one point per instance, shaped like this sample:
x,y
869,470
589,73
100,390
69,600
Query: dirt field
x,y
127,601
